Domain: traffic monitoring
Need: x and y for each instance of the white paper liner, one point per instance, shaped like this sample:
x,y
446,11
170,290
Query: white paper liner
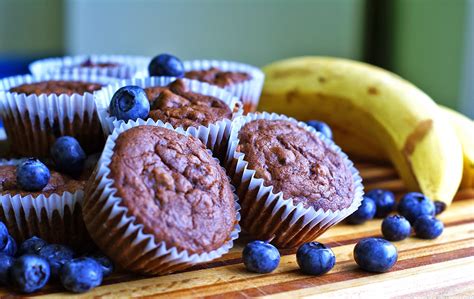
x,y
30,119
55,218
267,215
248,92
214,136
121,237
127,66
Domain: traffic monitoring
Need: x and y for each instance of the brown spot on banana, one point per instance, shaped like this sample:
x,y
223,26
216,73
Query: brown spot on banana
x,y
290,95
372,90
416,136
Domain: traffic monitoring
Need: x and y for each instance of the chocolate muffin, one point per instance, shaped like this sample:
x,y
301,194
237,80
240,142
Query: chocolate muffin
x,y
36,111
53,214
58,183
56,87
215,76
179,106
293,183
174,188
244,81
112,66
297,163
159,202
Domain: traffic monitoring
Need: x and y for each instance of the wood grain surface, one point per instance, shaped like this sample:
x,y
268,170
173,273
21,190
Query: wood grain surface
x,y
425,268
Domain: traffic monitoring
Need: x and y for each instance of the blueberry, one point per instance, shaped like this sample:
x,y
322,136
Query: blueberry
x,y
396,228
375,254
414,204
439,207
3,235
81,275
56,255
315,258
68,155
11,248
366,211
428,227
130,103
384,201
29,273
32,246
32,175
6,263
321,127
260,257
106,264
166,65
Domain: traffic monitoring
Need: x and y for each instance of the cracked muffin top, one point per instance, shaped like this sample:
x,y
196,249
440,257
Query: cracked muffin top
x,y
217,77
297,163
174,187
56,87
58,183
180,107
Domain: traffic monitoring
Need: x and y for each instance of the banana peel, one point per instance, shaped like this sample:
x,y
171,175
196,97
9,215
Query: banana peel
x,y
464,128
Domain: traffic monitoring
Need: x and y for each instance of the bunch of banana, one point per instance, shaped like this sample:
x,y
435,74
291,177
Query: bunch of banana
x,y
374,114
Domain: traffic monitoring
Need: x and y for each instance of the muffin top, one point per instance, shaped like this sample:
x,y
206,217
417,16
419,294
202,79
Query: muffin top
x,y
90,64
56,87
58,183
180,107
297,163
217,77
174,187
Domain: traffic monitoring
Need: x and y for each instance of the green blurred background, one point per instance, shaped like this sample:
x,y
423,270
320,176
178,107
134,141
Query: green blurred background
x,y
429,42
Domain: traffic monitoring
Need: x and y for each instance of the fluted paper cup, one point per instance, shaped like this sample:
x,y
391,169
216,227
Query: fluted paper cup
x,y
214,136
119,234
248,91
123,66
33,122
266,215
56,218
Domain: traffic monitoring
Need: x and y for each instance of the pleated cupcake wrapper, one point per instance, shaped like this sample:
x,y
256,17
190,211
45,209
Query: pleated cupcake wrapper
x,y
121,237
56,218
248,92
214,136
127,66
267,215
33,121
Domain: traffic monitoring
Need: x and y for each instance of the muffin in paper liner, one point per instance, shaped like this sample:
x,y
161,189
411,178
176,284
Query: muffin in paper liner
x,y
121,237
56,218
214,136
33,122
120,66
267,215
248,91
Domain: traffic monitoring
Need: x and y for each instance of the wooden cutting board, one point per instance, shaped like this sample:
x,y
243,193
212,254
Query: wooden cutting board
x,y
441,267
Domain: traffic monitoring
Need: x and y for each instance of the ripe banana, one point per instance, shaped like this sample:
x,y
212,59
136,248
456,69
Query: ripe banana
x,y
464,128
371,111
